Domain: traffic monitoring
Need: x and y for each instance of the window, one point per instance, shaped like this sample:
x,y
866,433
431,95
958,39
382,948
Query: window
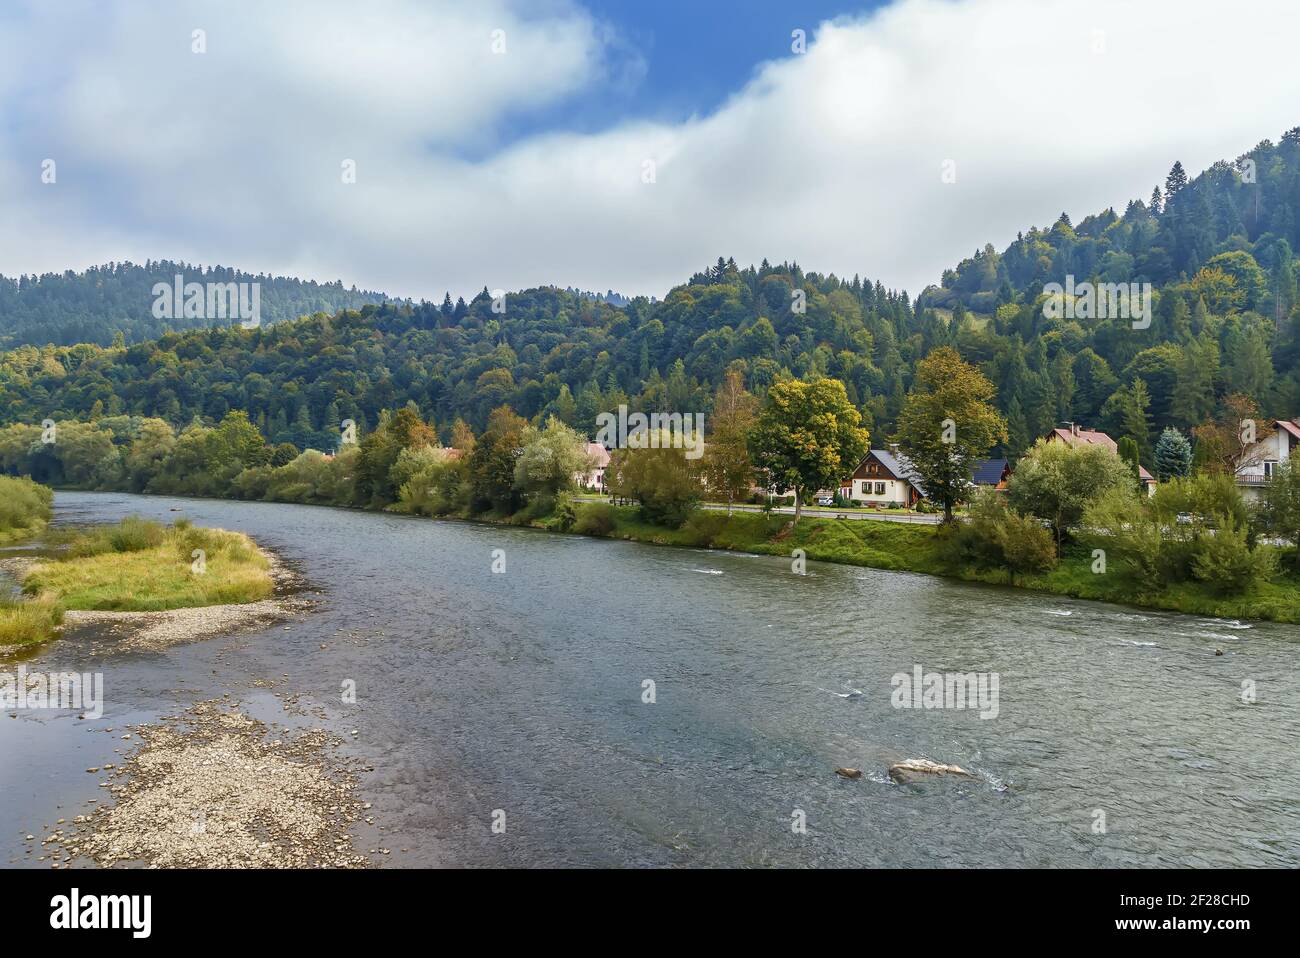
x,y
1270,467
880,488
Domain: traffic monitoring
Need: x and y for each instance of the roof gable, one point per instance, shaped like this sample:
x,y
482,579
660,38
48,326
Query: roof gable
x,y
1289,427
897,466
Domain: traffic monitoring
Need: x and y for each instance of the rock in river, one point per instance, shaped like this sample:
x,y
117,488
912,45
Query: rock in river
x,y
913,768
849,772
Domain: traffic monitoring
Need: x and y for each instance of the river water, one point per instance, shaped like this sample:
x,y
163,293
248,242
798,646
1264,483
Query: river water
x,y
524,691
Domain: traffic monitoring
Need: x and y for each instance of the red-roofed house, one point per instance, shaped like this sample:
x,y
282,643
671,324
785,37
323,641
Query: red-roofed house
x,y
598,460
1075,435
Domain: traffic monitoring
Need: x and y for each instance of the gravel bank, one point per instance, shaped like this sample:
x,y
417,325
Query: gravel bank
x,y
210,790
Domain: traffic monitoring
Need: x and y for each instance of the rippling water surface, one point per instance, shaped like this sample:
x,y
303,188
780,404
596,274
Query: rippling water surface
x,y
523,691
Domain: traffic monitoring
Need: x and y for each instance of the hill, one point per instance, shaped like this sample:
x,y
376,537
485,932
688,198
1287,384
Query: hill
x,y
96,305
1218,250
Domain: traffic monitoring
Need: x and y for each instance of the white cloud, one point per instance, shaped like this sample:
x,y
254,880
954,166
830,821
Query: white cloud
x,y
832,158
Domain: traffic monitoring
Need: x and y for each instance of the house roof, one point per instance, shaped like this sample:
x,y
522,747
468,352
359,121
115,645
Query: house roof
x,y
988,472
599,455
899,465
1290,427
1095,437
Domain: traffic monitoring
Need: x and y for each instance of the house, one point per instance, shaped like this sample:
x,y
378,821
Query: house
x,y
992,474
1276,446
1076,435
597,462
883,478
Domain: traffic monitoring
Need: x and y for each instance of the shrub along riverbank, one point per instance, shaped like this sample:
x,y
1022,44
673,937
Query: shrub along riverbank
x,y
912,548
25,508
135,566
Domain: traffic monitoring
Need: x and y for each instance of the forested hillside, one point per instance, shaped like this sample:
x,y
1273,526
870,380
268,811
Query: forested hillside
x,y
98,304
1219,250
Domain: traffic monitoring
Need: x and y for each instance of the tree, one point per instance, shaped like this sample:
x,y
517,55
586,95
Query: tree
x,y
1126,413
664,483
947,424
462,438
1280,510
1227,443
728,468
1057,481
1175,181
1128,451
152,446
549,459
492,463
380,449
1198,368
283,454
807,437
1173,456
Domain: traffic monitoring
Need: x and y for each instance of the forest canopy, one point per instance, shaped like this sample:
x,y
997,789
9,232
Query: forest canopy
x,y
1218,249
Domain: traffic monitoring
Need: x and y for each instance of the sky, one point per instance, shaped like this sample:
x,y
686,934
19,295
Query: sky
x,y
420,146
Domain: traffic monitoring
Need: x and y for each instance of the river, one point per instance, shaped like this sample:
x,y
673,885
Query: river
x,y
524,691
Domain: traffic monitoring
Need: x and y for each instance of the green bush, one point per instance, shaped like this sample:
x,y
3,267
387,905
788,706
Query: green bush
x,y
1122,525
995,537
538,507
563,514
25,506
595,519
1227,564
26,621
703,528
132,534
1191,530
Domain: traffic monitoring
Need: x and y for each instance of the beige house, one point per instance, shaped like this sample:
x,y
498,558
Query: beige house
x,y
598,461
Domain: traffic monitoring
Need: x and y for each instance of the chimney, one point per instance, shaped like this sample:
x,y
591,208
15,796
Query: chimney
x,y
1074,428
893,448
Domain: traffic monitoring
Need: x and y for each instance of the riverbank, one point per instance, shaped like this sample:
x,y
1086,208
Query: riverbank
x,y
146,586
915,548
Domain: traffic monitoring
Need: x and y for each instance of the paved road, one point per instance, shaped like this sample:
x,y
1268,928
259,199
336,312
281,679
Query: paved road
x,y
819,512
822,513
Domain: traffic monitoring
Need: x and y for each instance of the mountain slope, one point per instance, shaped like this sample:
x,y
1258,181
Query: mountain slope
x,y
95,305
1218,249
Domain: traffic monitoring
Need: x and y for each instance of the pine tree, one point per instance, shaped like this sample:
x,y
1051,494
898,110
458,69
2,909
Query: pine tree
x,y
1175,181
1128,451
1019,437
1173,456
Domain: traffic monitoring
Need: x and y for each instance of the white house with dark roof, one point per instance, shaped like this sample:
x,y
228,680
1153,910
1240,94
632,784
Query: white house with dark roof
x,y
883,478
